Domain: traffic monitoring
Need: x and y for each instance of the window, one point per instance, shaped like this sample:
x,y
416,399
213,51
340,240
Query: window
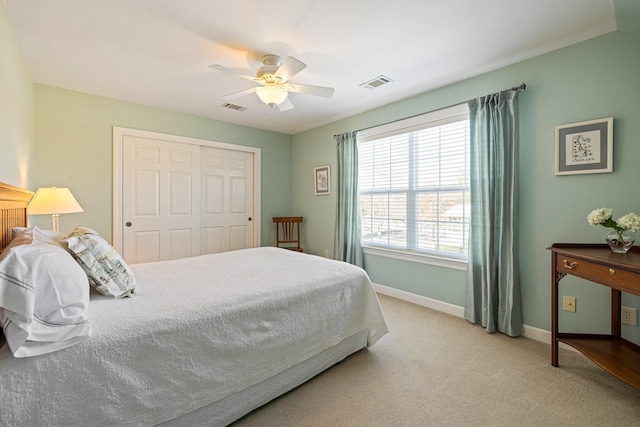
x,y
413,178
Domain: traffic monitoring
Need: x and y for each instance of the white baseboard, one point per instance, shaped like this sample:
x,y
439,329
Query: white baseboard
x,y
537,334
531,332
445,307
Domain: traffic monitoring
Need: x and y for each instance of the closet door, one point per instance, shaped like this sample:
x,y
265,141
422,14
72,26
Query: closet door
x,y
176,197
160,199
227,199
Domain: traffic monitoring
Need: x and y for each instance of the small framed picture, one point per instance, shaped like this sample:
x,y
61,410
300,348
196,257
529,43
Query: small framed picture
x,y
322,176
585,147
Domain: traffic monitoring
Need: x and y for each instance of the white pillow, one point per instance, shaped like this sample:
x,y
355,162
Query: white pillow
x,y
44,296
107,271
53,235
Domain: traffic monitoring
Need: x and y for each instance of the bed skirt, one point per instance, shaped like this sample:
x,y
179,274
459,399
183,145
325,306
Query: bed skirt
x,y
235,406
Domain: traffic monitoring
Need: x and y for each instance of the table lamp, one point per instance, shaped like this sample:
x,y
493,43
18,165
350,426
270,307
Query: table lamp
x,y
53,201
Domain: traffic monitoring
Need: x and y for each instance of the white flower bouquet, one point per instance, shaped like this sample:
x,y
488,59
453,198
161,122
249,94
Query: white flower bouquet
x,y
630,222
603,216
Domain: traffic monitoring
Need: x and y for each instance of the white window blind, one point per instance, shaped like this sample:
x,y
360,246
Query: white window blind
x,y
413,182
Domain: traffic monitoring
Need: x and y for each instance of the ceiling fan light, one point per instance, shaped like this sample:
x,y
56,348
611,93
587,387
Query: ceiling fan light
x,y
271,95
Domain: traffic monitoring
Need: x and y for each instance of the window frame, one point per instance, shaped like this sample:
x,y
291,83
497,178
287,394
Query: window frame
x,y
423,121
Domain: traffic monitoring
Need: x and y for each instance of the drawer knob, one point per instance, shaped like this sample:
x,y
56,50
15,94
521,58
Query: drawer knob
x,y
569,266
612,271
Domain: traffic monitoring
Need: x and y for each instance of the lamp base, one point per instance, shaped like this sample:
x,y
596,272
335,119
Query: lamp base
x,y
54,220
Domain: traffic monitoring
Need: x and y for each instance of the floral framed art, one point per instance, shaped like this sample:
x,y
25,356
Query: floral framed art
x,y
322,179
585,147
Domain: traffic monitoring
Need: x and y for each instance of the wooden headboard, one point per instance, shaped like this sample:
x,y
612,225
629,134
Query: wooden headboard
x,y
13,210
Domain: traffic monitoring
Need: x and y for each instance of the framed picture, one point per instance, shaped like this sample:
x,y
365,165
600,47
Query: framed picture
x,y
585,147
322,179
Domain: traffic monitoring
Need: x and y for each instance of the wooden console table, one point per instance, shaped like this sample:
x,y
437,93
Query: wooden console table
x,y
620,272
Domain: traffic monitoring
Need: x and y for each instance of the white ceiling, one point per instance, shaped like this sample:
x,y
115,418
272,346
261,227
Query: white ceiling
x,y
158,52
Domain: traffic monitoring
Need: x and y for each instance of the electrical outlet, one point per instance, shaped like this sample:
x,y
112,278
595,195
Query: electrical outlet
x,y
629,316
326,253
569,304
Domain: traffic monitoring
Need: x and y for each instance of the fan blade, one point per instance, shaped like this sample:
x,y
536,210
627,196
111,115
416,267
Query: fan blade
x,y
285,105
289,68
239,94
230,71
325,92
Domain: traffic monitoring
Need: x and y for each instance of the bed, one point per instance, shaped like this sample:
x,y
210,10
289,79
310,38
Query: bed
x,y
205,341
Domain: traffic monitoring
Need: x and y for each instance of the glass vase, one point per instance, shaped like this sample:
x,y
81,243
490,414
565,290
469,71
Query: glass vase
x,y
620,242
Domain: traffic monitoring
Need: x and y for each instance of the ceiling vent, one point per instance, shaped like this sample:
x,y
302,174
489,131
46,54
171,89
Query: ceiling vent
x,y
233,106
377,82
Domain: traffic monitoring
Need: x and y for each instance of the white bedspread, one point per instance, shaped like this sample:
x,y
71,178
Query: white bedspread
x,y
200,329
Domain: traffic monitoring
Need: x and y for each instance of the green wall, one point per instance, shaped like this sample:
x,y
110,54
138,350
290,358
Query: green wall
x,y
594,79
71,139
16,111
74,149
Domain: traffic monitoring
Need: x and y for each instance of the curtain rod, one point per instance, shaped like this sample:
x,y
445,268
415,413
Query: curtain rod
x,y
523,86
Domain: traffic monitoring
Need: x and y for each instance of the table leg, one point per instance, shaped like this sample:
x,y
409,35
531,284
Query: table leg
x,y
616,307
554,312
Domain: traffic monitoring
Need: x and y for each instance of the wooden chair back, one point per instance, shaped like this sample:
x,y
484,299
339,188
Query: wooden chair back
x,y
288,232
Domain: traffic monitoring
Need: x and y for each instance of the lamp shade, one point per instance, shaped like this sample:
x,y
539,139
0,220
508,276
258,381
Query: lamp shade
x,y
271,95
53,200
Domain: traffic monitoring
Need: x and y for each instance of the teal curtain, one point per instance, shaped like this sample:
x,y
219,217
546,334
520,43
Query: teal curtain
x,y
348,246
493,287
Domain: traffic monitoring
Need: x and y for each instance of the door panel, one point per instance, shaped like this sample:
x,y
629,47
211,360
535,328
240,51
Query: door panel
x,y
181,242
227,199
180,185
161,195
146,245
145,193
238,237
213,194
238,195
213,239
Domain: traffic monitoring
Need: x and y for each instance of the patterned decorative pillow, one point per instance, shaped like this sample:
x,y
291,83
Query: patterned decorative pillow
x,y
107,271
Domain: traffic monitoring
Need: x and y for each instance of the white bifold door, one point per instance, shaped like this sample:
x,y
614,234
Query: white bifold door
x,y
182,199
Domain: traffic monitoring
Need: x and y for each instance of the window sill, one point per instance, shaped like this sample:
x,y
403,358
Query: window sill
x,y
456,264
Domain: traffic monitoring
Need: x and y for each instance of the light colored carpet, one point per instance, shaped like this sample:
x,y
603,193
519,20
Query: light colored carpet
x,y
434,369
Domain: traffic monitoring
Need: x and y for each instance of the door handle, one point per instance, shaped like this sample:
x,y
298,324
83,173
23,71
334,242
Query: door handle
x,y
128,224
249,218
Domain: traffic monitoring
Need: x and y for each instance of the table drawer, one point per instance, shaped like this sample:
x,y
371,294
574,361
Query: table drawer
x,y
617,278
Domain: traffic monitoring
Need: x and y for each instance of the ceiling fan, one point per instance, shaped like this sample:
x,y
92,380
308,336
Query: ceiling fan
x,y
274,85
